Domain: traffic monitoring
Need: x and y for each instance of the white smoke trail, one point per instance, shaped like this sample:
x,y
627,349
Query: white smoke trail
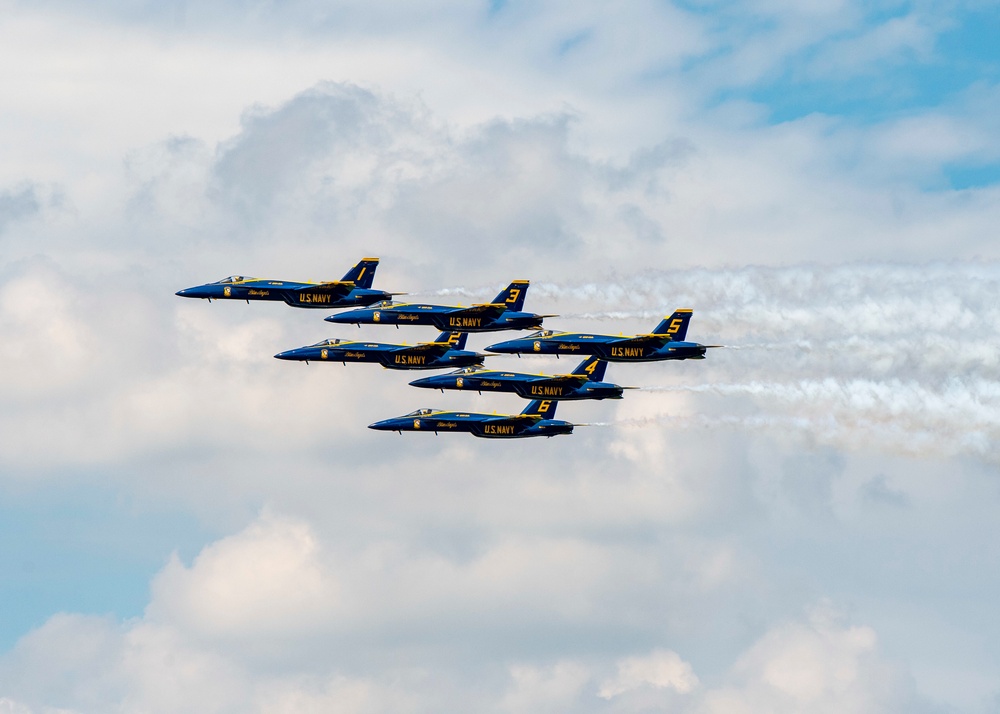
x,y
963,417
852,432
898,357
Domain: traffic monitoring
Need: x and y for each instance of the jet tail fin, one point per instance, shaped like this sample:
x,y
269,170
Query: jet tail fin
x,y
592,368
675,326
455,339
363,273
512,297
544,408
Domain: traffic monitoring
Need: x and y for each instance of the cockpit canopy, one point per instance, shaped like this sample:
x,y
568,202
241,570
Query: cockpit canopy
x,y
382,304
471,369
541,333
421,412
232,280
328,343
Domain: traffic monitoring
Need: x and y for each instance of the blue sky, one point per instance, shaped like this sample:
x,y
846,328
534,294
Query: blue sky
x,y
802,522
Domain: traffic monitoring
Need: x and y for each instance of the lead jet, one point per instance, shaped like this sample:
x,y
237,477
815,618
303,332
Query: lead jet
x,y
446,352
503,313
537,419
353,290
665,342
585,382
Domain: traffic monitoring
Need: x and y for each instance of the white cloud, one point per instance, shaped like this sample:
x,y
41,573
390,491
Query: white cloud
x,y
816,664
820,665
660,669
268,580
555,688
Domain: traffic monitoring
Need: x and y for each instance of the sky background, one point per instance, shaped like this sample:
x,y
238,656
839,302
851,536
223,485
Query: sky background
x,y
806,521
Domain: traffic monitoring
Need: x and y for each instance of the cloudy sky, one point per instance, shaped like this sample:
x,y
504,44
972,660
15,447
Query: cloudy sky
x,y
807,521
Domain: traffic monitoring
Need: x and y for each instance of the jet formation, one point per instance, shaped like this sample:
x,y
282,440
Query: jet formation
x,y
667,341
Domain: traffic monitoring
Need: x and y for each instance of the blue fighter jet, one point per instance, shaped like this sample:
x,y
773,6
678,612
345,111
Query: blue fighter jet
x,y
585,382
666,342
536,420
446,352
504,313
354,290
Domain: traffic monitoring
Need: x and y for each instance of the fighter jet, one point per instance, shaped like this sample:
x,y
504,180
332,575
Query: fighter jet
x,y
536,420
446,352
355,289
667,341
585,382
504,313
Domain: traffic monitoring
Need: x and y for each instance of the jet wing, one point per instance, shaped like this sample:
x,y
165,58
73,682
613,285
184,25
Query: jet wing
x,y
641,340
420,348
339,286
524,417
558,379
488,309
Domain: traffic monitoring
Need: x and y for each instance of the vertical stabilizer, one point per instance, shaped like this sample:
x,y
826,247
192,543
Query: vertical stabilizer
x,y
545,408
455,339
363,273
513,295
593,368
676,326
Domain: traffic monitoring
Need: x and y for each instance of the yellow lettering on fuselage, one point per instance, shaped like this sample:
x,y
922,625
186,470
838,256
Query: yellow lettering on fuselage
x,y
543,391
626,352
465,322
500,429
411,359
259,293
318,298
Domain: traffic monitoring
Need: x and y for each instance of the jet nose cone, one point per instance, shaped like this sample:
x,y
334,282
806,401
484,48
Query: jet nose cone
x,y
384,425
200,291
424,382
508,346
287,354
344,318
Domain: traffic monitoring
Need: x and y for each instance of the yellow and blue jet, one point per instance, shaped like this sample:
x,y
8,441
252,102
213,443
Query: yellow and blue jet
x,y
353,290
537,419
503,313
585,382
446,352
665,342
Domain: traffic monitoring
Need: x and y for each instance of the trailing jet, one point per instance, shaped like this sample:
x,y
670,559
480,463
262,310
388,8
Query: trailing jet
x,y
353,290
536,420
585,382
504,313
446,352
667,341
